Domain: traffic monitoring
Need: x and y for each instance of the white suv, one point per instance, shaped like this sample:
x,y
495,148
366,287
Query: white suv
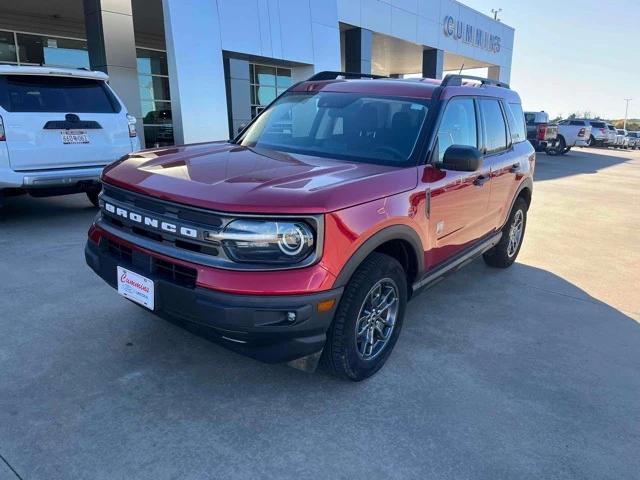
x,y
58,129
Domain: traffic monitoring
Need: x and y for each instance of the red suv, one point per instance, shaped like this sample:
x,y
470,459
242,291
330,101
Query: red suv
x,y
304,238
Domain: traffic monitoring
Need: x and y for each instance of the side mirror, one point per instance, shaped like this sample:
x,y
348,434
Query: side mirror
x,y
461,158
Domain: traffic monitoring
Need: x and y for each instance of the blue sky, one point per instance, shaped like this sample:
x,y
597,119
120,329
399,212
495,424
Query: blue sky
x,y
574,55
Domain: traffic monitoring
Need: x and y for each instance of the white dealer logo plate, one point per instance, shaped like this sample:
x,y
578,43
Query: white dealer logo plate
x,y
135,287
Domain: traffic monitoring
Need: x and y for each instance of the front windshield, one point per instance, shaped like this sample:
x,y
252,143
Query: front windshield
x,y
340,125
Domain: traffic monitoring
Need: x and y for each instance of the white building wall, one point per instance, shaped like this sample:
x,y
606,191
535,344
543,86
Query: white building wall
x,y
422,22
303,34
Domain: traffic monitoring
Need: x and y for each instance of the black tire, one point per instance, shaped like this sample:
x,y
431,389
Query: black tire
x,y
553,150
592,141
566,150
92,195
561,146
502,255
342,355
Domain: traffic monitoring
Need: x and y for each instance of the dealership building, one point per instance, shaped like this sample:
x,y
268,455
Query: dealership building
x,y
196,70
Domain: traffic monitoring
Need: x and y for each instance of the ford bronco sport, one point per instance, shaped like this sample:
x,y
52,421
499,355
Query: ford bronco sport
x,y
303,238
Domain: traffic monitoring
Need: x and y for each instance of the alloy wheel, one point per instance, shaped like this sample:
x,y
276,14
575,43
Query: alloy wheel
x,y
377,318
515,233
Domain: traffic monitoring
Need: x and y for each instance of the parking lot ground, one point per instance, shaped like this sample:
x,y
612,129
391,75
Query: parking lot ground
x,y
531,372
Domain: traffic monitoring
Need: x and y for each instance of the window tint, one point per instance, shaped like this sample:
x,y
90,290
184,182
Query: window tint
x,y
32,93
495,130
458,125
597,124
577,122
516,122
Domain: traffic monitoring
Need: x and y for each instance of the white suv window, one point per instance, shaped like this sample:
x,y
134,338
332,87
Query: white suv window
x,y
36,93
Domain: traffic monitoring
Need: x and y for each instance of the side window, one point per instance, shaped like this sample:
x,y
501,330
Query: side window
x,y
516,122
458,125
578,123
495,129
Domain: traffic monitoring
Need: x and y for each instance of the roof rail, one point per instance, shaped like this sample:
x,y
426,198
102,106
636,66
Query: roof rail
x,y
452,80
329,75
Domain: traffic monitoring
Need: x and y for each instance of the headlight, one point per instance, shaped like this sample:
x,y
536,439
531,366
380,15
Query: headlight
x,y
268,241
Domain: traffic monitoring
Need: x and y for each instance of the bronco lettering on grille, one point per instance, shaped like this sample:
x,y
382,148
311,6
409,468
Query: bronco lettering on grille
x,y
151,222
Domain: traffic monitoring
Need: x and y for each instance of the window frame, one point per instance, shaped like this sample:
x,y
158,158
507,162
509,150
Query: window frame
x,y
509,144
443,108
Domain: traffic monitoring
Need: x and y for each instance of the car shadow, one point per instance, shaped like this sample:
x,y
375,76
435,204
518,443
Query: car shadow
x,y
579,161
26,209
513,373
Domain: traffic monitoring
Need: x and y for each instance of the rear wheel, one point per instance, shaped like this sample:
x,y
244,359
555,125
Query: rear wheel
x,y
368,320
592,141
561,146
505,252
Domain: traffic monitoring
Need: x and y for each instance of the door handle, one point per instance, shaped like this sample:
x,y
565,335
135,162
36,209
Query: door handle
x,y
514,168
481,180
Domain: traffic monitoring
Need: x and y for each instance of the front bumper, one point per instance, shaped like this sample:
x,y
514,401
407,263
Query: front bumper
x,y
254,325
35,179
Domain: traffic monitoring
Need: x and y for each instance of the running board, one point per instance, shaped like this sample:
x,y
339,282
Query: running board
x,y
457,263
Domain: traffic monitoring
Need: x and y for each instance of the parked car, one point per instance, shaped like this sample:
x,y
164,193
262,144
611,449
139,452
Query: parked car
x,y
295,247
634,140
58,129
612,136
572,133
599,133
622,141
541,133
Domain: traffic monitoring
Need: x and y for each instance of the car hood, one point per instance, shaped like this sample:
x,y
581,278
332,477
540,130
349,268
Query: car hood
x,y
228,177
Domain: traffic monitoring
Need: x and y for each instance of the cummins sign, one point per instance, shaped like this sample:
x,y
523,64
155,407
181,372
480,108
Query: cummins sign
x,y
471,34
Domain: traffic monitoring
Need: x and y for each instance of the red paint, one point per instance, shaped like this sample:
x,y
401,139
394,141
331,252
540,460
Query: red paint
x,y
231,178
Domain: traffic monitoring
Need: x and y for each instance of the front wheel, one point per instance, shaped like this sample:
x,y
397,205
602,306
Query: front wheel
x,y
505,252
368,320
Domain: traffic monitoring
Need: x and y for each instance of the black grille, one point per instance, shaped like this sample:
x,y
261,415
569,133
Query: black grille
x,y
172,272
162,210
175,273
120,251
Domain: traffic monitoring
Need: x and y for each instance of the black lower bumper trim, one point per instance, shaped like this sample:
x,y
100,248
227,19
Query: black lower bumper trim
x,y
258,326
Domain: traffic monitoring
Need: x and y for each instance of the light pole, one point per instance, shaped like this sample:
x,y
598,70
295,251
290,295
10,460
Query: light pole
x,y
626,112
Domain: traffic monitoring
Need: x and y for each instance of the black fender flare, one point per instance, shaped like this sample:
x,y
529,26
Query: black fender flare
x,y
526,184
394,232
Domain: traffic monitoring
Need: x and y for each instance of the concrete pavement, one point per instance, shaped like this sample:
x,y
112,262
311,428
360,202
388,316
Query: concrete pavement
x,y
532,372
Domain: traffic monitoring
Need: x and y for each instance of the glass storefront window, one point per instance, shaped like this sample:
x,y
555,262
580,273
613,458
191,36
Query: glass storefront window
x,y
43,50
267,83
155,97
153,87
152,62
7,48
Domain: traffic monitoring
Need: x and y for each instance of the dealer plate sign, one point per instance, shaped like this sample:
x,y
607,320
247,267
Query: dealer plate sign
x,y
135,287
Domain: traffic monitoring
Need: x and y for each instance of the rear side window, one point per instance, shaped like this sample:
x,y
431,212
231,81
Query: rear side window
x,y
495,128
598,125
579,123
32,93
515,117
458,125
